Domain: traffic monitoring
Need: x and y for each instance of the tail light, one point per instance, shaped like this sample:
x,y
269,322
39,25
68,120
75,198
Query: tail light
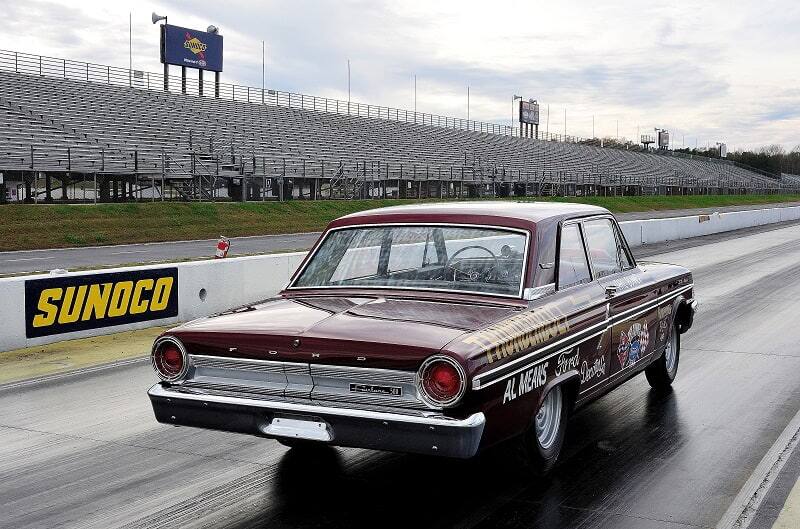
x,y
441,381
169,359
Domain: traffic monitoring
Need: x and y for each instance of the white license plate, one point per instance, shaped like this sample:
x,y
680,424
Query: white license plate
x,y
299,429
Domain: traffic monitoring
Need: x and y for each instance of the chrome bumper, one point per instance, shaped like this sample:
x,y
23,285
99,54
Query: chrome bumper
x,y
431,434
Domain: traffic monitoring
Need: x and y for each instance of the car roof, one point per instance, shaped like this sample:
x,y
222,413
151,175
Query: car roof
x,y
499,212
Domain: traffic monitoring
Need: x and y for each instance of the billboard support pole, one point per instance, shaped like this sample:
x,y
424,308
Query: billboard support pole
x,y
200,82
216,85
183,79
166,77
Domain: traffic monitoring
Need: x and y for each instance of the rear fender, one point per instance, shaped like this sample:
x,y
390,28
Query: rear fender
x,y
684,315
569,382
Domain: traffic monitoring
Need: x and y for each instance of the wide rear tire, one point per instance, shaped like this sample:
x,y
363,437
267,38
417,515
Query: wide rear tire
x,y
540,445
661,373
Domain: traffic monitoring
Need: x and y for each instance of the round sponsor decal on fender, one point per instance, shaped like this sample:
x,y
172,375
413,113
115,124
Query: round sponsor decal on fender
x,y
632,344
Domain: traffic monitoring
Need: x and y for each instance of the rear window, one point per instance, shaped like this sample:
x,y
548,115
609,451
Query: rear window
x,y
483,260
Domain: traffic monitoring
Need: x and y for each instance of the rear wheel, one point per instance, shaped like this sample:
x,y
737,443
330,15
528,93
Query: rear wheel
x,y
541,444
661,373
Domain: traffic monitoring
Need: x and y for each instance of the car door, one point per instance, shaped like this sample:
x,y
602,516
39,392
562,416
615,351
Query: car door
x,y
583,299
631,331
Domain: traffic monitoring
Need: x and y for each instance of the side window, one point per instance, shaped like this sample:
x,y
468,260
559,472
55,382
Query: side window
x,y
624,258
604,251
572,265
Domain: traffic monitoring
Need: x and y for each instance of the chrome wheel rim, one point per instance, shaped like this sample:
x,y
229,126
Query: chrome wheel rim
x,y
671,352
548,419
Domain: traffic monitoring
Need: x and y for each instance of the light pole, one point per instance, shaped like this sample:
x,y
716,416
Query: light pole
x,y
155,18
263,67
467,106
514,100
130,48
415,96
348,86
547,132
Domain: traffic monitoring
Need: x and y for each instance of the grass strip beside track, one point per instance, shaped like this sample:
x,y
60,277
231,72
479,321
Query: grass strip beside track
x,y
31,227
71,355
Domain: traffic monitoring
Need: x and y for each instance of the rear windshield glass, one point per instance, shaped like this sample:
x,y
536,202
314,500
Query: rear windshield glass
x,y
481,260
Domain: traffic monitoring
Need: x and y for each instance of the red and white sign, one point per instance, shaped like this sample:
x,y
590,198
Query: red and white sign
x,y
223,245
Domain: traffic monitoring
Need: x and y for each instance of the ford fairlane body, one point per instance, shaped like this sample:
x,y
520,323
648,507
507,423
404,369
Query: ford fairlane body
x,y
438,329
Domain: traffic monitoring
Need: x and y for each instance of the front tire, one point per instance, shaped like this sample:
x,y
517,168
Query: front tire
x,y
662,372
541,443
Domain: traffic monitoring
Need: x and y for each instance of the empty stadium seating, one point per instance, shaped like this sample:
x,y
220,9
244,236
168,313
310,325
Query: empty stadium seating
x,y
54,124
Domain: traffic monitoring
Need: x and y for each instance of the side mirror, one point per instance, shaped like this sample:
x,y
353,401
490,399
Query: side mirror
x,y
611,291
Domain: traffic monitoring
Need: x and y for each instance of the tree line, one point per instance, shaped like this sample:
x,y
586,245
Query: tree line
x,y
772,158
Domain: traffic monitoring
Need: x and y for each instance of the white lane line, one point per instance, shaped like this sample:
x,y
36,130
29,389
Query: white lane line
x,y
128,251
26,259
746,503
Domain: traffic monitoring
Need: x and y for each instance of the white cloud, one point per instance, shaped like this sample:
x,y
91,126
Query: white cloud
x,y
714,71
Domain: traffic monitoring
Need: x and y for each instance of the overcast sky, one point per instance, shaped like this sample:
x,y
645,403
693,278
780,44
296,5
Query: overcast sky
x,y
713,71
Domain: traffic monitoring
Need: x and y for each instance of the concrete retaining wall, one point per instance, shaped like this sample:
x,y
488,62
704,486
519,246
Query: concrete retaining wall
x,y
224,283
650,231
206,287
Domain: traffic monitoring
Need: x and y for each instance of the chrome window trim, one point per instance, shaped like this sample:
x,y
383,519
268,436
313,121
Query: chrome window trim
x,y
311,256
184,355
567,223
618,236
605,324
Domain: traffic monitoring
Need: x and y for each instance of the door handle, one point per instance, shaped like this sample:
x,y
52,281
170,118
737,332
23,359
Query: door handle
x,y
611,291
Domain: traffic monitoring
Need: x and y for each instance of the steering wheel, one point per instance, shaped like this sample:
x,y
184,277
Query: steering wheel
x,y
472,277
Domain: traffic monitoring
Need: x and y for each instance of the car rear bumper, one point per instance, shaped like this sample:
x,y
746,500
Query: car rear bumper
x,y
431,434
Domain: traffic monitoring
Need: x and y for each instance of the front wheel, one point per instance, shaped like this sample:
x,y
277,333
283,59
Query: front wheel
x,y
661,373
541,443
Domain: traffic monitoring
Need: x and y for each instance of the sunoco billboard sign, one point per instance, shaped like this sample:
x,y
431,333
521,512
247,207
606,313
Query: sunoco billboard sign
x,y
191,48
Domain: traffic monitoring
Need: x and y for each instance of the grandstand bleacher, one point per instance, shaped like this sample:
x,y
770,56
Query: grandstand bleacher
x,y
137,142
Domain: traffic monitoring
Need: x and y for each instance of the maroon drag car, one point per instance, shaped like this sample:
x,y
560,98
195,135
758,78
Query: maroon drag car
x,y
438,329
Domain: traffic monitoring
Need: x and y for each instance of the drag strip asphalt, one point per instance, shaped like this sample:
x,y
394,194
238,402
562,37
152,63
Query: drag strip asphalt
x,y
85,451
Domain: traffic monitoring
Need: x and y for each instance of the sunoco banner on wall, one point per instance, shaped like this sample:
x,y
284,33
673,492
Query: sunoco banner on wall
x,y
56,305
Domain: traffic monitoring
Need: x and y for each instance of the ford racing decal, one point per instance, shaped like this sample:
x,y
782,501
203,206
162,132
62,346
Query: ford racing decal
x,y
74,303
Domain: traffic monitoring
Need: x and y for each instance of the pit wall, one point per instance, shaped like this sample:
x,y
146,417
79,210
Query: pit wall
x,y
207,287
